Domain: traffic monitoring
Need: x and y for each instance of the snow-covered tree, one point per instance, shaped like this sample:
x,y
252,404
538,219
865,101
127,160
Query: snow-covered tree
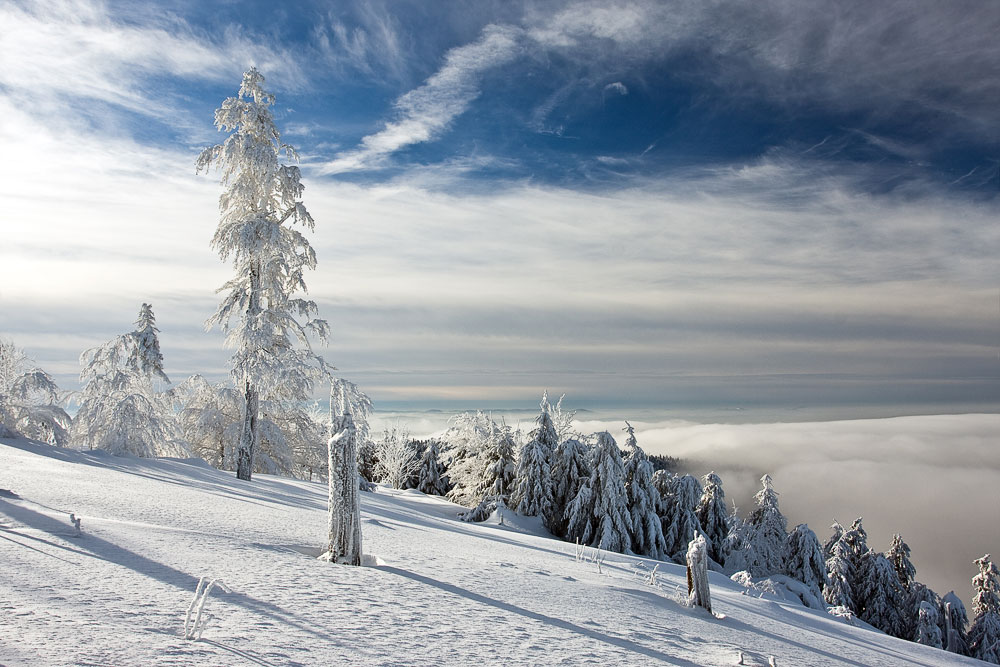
x,y
349,412
956,621
677,512
120,408
598,516
570,470
397,458
642,500
984,635
30,400
840,576
899,555
916,596
884,597
805,558
766,533
430,476
209,416
500,471
465,444
562,420
928,632
712,517
262,199
838,532
532,494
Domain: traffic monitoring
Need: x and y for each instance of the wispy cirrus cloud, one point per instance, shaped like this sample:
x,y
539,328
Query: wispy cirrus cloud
x,y
53,51
425,112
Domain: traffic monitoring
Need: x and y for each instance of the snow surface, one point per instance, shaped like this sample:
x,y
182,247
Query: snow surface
x,y
435,591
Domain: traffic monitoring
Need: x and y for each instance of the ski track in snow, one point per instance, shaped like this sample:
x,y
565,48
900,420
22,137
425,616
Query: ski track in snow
x,y
444,592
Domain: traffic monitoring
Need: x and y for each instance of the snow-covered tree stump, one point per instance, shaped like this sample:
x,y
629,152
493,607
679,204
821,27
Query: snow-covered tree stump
x,y
697,573
345,507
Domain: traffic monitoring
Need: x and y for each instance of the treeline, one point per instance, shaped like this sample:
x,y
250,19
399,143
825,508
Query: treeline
x,y
587,489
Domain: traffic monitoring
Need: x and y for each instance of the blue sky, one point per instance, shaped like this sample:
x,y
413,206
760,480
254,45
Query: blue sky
x,y
637,203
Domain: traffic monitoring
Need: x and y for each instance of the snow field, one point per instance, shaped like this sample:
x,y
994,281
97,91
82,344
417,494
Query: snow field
x,y
440,592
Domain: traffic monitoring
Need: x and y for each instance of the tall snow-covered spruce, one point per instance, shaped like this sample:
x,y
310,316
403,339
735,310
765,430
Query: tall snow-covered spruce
x,y
259,204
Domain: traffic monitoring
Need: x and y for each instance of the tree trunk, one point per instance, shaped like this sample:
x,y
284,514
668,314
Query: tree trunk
x,y
248,438
345,508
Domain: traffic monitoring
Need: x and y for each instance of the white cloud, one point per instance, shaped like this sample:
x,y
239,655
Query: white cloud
x,y
933,479
617,87
54,51
425,112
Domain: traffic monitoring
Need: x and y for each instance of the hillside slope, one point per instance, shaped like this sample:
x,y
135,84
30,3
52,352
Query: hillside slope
x,y
438,591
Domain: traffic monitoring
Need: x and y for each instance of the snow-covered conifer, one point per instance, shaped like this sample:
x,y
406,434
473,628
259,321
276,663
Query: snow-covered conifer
x,y
598,516
642,500
500,468
984,635
928,633
680,523
956,622
840,577
917,595
570,470
712,517
805,558
899,555
838,532
766,533
269,256
884,597
532,494
430,478
121,410
855,552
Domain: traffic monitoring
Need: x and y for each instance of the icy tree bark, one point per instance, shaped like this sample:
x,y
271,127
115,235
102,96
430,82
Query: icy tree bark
x,y
697,571
345,507
248,439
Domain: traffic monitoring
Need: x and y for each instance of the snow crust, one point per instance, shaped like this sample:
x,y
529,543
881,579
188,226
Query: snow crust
x,y
433,589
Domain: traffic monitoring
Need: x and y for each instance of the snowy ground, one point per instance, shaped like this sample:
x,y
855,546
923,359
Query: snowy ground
x,y
438,591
